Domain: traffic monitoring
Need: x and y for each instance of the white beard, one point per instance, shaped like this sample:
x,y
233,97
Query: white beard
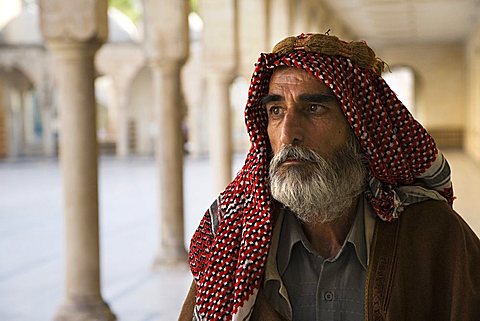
x,y
317,190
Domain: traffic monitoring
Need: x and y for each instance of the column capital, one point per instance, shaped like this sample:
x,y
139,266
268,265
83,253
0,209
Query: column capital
x,y
74,21
166,64
166,29
220,74
73,50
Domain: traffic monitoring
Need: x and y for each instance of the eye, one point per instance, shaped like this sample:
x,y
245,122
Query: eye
x,y
274,110
313,108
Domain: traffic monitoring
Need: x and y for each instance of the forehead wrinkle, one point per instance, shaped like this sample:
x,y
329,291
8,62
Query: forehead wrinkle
x,y
285,76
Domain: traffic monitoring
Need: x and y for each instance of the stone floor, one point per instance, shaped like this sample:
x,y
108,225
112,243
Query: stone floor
x,y
31,235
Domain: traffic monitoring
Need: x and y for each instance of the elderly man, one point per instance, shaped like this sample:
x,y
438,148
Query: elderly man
x,y
343,209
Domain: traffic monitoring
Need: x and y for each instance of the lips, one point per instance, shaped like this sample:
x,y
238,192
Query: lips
x,y
292,161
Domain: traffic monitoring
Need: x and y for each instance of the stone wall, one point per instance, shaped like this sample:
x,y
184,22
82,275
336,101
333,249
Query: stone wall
x,y
440,87
472,142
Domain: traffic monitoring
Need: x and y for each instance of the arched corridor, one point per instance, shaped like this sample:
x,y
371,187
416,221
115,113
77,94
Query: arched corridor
x,y
117,133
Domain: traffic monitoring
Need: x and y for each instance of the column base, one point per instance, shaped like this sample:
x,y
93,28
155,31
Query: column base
x,y
84,309
171,258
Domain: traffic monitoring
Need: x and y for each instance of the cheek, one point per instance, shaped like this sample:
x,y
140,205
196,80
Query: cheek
x,y
341,135
272,138
327,137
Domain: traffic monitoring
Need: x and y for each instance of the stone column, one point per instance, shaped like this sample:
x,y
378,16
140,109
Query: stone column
x,y
254,36
311,16
121,122
220,60
3,124
166,26
220,135
323,19
17,130
46,106
281,20
299,17
169,159
28,120
74,31
48,141
306,16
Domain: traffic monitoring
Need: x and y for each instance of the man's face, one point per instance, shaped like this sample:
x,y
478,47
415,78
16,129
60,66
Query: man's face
x,y
317,168
302,111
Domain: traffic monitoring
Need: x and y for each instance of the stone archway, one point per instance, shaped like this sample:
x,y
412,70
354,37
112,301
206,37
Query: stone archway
x,y
141,118
22,122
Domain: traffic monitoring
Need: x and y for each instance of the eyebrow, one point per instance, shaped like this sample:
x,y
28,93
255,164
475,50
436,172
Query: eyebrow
x,y
317,98
312,98
270,98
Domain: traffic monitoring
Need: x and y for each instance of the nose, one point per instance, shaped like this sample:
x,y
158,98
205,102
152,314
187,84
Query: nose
x,y
292,130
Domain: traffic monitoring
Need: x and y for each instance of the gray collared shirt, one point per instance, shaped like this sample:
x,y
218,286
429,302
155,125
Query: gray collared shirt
x,y
317,288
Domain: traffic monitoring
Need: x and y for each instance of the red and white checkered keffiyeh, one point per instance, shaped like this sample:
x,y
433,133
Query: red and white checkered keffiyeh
x,y
228,251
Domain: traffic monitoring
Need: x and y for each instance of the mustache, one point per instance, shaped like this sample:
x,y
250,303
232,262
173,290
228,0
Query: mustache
x,y
298,153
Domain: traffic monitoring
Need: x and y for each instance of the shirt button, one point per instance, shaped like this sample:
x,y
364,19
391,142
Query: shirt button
x,y
328,296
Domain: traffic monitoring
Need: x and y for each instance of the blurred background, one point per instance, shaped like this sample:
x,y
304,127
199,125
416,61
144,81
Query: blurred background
x,y
121,121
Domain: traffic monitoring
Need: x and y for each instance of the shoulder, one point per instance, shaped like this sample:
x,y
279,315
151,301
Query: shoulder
x,y
432,216
439,253
428,210
436,222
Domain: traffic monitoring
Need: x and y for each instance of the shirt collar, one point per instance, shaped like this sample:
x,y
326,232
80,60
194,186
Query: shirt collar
x,y
292,233
356,236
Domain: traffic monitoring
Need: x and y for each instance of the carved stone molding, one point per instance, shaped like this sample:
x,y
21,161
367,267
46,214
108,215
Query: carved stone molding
x,y
74,21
